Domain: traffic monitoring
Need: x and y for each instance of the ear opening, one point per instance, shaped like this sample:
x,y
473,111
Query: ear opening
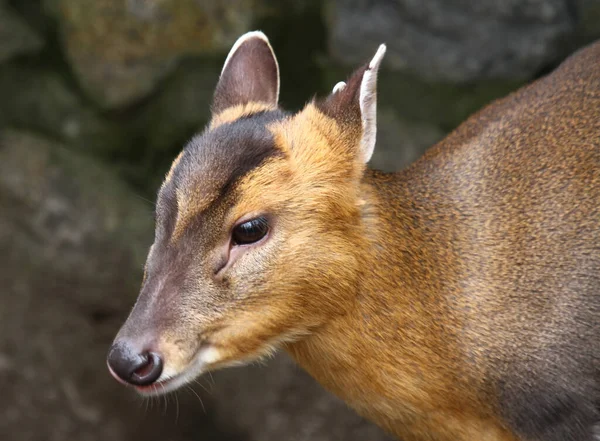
x,y
250,74
354,103
368,105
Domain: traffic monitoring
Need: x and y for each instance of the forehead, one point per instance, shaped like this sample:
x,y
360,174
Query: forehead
x,y
216,159
228,151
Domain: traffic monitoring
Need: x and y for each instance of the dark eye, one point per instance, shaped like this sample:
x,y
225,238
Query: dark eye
x,y
250,231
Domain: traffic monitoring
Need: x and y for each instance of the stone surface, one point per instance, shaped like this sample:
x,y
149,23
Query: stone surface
x,y
121,49
182,106
16,37
456,41
588,12
40,99
400,142
180,109
279,401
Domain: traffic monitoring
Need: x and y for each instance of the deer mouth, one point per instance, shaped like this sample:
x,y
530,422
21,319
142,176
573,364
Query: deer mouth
x,y
158,388
169,382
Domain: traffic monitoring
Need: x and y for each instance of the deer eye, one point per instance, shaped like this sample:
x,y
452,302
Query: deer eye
x,y
250,231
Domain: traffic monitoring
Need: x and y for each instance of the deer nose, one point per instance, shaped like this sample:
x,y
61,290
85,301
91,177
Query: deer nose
x,y
131,367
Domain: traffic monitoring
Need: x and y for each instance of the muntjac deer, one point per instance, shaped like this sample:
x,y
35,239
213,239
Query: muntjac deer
x,y
456,300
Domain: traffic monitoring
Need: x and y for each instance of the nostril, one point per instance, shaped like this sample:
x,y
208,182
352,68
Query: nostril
x,y
148,371
145,369
130,367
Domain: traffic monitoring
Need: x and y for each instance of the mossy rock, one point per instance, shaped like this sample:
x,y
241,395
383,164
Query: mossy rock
x,y
16,37
401,141
40,99
120,50
589,14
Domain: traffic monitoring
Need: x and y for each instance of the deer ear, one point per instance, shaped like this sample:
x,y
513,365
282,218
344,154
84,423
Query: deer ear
x,y
355,103
250,74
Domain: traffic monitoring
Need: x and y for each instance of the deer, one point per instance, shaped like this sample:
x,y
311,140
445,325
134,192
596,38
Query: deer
x,y
457,299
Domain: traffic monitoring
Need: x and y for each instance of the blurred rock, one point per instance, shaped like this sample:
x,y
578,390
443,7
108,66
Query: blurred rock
x,y
400,142
121,49
456,41
41,100
588,12
16,37
178,110
279,402
158,128
73,208
182,106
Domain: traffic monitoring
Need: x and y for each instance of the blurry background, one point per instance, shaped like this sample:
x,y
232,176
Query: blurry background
x,y
98,96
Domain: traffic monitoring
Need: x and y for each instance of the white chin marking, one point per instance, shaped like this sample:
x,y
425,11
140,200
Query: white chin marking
x,y
209,355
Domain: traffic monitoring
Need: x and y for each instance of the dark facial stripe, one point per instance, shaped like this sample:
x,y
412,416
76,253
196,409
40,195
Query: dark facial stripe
x,y
213,162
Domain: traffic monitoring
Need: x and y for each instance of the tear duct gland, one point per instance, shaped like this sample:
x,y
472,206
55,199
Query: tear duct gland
x,y
455,300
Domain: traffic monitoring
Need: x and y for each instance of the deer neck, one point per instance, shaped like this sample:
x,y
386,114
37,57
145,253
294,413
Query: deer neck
x,y
394,356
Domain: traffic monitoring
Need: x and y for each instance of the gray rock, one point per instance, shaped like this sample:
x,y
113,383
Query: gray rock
x,y
41,100
182,106
161,126
459,40
279,401
179,110
16,37
73,208
121,49
588,12
400,142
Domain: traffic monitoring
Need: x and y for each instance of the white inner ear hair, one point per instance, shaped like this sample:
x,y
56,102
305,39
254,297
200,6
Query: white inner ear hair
x,y
368,105
339,86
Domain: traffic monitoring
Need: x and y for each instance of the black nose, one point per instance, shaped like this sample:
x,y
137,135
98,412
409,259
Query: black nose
x,y
134,368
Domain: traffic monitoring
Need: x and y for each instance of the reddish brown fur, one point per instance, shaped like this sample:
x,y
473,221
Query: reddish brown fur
x,y
517,185
455,300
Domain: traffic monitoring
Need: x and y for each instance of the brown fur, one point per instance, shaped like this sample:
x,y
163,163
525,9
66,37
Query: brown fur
x,y
456,300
